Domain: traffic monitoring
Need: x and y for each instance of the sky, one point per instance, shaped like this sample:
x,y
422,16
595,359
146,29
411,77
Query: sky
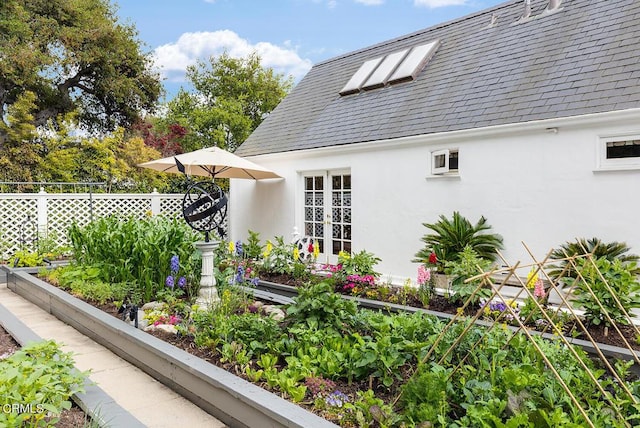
x,y
290,36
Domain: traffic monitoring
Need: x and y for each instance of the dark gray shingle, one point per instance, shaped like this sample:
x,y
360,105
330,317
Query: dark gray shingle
x,y
582,59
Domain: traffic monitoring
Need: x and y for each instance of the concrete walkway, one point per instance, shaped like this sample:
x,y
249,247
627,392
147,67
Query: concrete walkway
x,y
149,401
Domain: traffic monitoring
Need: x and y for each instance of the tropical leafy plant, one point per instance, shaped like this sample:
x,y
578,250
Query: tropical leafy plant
x,y
451,236
597,248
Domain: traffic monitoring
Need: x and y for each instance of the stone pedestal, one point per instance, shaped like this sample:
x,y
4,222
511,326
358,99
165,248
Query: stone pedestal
x,y
208,294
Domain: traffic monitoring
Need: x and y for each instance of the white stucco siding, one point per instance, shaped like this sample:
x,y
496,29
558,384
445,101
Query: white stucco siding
x,y
532,185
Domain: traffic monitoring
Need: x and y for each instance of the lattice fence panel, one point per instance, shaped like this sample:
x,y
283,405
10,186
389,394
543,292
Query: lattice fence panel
x,y
131,207
171,206
13,213
59,211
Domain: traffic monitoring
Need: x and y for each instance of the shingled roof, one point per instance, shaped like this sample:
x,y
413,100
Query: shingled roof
x,y
584,58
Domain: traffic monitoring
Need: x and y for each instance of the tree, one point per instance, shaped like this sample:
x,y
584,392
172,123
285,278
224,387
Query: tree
x,y
167,143
19,154
232,97
73,55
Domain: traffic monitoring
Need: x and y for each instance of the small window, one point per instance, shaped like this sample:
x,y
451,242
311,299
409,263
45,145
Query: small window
x,y
444,162
619,152
623,149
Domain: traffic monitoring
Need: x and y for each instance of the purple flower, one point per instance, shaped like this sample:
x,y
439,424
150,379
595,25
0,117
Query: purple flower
x,y
254,281
175,264
239,248
169,282
182,281
240,275
336,399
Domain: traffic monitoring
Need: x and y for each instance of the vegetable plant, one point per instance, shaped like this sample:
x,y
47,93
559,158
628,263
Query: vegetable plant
x,y
596,275
40,378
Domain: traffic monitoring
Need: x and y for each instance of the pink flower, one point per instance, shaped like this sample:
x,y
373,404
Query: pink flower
x,y
538,290
424,275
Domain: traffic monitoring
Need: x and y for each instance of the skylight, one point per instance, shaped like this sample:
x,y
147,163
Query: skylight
x,y
355,83
397,67
379,77
414,62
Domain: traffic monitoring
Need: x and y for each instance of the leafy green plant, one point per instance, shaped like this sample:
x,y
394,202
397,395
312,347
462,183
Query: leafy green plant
x,y
252,248
26,258
467,265
318,305
38,379
451,236
597,274
278,258
598,250
86,282
360,263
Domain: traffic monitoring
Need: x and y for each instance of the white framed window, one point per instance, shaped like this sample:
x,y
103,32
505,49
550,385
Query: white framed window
x,y
444,162
619,152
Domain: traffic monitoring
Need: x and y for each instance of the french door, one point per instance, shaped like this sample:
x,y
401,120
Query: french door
x,y
327,212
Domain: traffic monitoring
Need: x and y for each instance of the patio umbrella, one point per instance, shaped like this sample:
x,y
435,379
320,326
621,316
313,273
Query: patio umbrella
x,y
211,162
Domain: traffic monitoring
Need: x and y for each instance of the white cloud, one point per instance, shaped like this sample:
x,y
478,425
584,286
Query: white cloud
x,y
370,2
173,59
432,4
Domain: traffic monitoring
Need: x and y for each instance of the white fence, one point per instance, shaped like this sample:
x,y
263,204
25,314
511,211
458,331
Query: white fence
x,y
23,216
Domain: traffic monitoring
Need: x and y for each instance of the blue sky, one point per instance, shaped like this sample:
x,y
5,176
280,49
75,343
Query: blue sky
x,y
289,35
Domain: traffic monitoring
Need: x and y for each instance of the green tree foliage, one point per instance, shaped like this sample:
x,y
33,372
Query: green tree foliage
x,y
74,56
232,96
19,154
112,160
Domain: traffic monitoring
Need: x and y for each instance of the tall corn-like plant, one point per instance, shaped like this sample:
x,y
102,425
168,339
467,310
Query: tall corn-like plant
x,y
133,250
451,236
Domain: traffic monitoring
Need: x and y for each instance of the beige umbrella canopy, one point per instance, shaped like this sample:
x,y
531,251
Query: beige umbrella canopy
x,y
212,162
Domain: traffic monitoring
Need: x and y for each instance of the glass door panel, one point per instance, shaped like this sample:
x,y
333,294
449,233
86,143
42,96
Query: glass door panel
x,y
327,212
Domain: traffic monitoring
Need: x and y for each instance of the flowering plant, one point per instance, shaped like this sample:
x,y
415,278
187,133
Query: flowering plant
x,y
355,283
498,309
173,280
425,285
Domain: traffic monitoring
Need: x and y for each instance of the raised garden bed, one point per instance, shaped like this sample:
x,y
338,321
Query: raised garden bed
x,y
231,399
102,410
610,351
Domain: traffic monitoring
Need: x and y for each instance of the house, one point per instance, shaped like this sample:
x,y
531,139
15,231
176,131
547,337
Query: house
x,y
527,113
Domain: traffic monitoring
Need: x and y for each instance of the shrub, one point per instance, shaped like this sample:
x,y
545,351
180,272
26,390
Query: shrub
x,y
451,236
596,275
